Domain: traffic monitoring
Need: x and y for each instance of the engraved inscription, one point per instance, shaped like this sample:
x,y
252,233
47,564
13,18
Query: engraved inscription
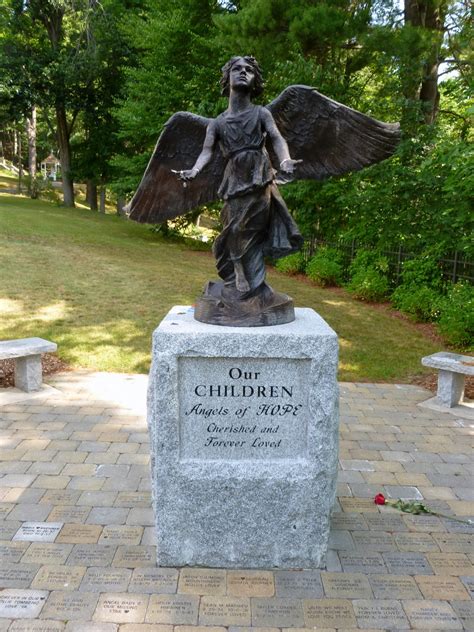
x,y
243,408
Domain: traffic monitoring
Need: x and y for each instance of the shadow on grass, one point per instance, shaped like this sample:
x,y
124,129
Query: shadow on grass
x,y
99,286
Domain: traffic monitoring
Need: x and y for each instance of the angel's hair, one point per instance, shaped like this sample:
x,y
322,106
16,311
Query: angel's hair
x,y
257,87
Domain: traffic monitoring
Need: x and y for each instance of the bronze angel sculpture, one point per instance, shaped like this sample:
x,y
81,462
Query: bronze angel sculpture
x,y
240,157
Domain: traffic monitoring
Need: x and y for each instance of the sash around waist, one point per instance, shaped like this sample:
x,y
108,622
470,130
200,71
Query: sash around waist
x,y
233,153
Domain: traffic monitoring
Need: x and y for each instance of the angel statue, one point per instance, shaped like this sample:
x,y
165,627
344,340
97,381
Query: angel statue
x,y
240,157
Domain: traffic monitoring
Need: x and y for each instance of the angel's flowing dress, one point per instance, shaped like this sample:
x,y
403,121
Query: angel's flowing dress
x,y
256,221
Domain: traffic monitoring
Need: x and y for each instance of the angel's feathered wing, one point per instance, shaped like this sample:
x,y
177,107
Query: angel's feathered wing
x,y
161,195
329,137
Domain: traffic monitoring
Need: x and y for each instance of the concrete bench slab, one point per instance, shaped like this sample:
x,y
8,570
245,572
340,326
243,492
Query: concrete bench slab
x,y
27,355
452,368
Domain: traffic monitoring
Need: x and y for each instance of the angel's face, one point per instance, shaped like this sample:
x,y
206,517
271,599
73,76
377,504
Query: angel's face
x,y
242,76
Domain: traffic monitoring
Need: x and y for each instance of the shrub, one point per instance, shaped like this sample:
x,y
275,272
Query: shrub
x,y
423,271
423,303
325,268
422,286
456,322
41,187
369,285
292,264
368,271
366,259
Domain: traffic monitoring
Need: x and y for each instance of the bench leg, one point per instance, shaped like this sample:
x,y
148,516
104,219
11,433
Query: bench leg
x,y
450,388
29,373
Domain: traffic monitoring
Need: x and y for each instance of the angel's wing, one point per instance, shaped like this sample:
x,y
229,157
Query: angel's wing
x,y
161,195
329,137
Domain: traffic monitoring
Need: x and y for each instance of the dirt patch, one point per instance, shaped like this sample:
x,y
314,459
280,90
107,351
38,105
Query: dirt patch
x,y
51,364
430,382
426,329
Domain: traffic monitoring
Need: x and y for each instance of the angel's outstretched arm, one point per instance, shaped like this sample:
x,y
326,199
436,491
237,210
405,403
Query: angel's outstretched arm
x,y
280,145
205,155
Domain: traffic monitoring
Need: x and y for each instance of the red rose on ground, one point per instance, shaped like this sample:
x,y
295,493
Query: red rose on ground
x,y
380,499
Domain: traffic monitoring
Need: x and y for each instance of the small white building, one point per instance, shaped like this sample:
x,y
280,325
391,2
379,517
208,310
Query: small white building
x,y
50,167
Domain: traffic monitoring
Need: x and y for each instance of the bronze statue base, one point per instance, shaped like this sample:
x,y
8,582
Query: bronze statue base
x,y
219,305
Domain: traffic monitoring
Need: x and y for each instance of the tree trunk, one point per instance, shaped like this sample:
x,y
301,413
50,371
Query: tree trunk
x,y
102,199
430,16
20,163
65,155
121,206
91,195
31,134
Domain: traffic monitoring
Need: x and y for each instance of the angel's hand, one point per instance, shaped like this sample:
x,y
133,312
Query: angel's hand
x,y
187,174
288,165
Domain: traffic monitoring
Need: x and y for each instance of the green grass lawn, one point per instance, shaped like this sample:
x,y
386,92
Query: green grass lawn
x,y
98,285
8,180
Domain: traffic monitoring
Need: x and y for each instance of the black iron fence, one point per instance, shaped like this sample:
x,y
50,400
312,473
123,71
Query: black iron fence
x,y
455,266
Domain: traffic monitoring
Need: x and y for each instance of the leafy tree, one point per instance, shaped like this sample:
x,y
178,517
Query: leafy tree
x,y
317,42
384,60
96,141
176,68
50,58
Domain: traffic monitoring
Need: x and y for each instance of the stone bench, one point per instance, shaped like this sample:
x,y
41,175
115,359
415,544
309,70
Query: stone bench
x,y
452,369
27,355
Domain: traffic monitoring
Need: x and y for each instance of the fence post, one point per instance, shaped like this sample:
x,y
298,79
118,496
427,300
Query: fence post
x,y
352,250
399,262
455,265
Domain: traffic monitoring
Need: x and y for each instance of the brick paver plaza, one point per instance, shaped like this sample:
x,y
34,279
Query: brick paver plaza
x,y
76,541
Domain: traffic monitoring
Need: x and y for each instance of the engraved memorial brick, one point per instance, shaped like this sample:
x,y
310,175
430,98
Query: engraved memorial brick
x,y
362,562
106,580
468,581
46,553
69,514
334,613
121,608
79,533
432,615
58,577
348,521
250,583
380,614
134,556
197,581
450,563
16,575
394,587
298,584
38,625
374,540
72,606
21,604
465,612
407,564
177,609
12,552
154,580
224,611
273,612
38,531
438,587
121,534
346,586
91,554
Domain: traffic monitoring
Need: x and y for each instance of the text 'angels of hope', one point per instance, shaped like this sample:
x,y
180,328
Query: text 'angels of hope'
x,y
259,421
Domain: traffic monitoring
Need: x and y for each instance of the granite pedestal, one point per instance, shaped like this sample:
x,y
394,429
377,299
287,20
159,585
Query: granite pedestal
x,y
244,442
